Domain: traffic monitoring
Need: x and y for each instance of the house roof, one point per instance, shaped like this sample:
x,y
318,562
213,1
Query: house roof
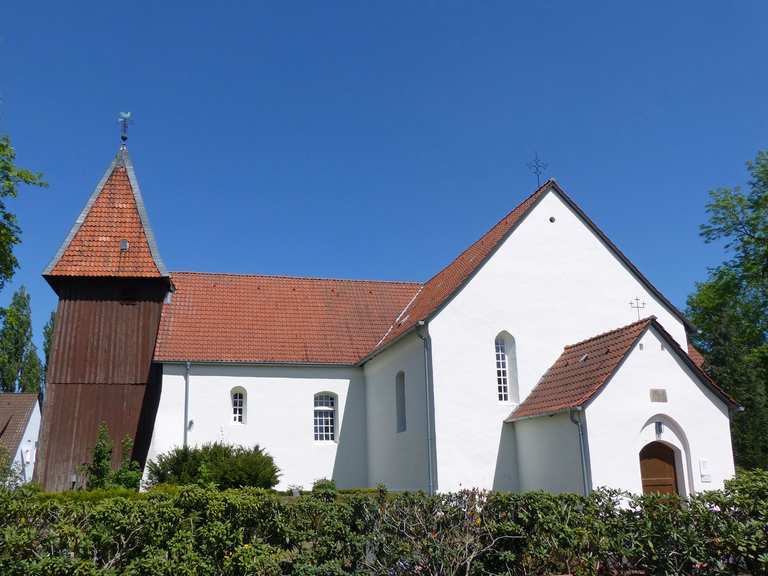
x,y
276,319
584,368
443,285
263,319
15,411
695,355
439,290
114,212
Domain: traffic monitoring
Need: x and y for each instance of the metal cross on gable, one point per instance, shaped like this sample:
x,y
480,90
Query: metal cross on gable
x,y
637,305
537,167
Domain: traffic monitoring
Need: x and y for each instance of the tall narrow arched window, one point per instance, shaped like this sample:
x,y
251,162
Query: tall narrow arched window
x,y
325,417
237,396
400,401
506,368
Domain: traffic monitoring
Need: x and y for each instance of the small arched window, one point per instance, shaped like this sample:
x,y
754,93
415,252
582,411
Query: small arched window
x,y
400,401
506,368
238,405
325,417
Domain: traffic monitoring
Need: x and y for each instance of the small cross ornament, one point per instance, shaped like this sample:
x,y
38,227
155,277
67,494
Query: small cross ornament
x,y
537,167
637,305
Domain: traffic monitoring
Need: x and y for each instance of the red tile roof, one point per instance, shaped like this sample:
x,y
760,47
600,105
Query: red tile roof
x,y
450,279
441,287
695,355
584,368
276,319
115,212
15,411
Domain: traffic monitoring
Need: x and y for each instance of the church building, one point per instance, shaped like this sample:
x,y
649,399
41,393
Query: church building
x,y
524,364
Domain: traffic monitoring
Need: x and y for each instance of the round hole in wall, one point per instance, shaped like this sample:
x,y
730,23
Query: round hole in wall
x,y
551,218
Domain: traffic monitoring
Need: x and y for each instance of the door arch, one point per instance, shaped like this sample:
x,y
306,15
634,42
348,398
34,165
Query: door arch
x,y
658,469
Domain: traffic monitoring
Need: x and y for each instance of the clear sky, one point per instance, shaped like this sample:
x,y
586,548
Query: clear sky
x,y
379,139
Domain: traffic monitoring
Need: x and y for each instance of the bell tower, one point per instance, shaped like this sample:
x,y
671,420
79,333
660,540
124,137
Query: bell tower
x,y
111,284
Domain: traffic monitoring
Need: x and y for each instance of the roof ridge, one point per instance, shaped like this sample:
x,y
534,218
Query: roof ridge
x,y
294,277
647,320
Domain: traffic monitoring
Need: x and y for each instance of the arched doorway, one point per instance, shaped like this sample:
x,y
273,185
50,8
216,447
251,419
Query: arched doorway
x,y
657,468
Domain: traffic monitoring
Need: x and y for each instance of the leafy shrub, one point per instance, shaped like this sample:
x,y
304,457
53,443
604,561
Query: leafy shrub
x,y
10,474
324,489
224,465
204,530
99,473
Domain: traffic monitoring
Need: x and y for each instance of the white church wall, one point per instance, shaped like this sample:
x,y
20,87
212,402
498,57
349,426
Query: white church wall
x,y
620,421
26,454
279,417
397,459
548,285
549,454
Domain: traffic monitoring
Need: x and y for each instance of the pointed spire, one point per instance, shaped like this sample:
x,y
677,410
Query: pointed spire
x,y
112,235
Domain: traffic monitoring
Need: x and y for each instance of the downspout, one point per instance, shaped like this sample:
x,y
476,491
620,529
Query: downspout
x,y
582,449
187,368
428,400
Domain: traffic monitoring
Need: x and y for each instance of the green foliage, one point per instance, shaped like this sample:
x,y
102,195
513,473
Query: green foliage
x,y
11,179
31,377
20,368
730,308
205,530
47,340
224,465
10,475
99,473
325,489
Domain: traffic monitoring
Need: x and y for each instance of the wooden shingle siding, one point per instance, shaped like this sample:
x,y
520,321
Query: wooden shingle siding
x,y
102,337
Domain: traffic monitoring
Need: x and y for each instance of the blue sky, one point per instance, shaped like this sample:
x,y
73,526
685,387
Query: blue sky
x,y
379,139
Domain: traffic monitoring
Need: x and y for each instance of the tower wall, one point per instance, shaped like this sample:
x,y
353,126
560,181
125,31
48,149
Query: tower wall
x,y
100,370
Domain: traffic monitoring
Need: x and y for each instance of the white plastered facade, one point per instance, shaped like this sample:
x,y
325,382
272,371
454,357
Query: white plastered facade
x,y
621,420
279,408
552,282
26,454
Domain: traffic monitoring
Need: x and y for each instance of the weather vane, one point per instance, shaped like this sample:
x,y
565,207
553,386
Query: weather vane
x,y
536,166
124,119
637,305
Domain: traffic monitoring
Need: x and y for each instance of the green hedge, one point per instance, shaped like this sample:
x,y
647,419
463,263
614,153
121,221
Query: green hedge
x,y
225,465
203,530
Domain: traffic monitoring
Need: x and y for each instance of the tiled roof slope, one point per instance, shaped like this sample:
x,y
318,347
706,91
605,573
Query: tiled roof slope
x,y
15,410
114,212
445,283
584,368
276,319
695,355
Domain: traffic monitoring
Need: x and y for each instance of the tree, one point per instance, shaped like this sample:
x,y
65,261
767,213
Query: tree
x,y
20,367
31,377
15,338
99,473
47,340
730,309
100,468
11,179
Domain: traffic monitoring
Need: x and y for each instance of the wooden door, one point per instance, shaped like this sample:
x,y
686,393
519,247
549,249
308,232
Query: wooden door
x,y
657,469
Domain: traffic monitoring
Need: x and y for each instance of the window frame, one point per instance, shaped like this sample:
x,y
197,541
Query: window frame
x,y
243,407
505,356
401,419
321,413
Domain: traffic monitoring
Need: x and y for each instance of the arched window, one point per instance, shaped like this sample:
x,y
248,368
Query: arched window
x,y
238,405
325,417
506,368
400,401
